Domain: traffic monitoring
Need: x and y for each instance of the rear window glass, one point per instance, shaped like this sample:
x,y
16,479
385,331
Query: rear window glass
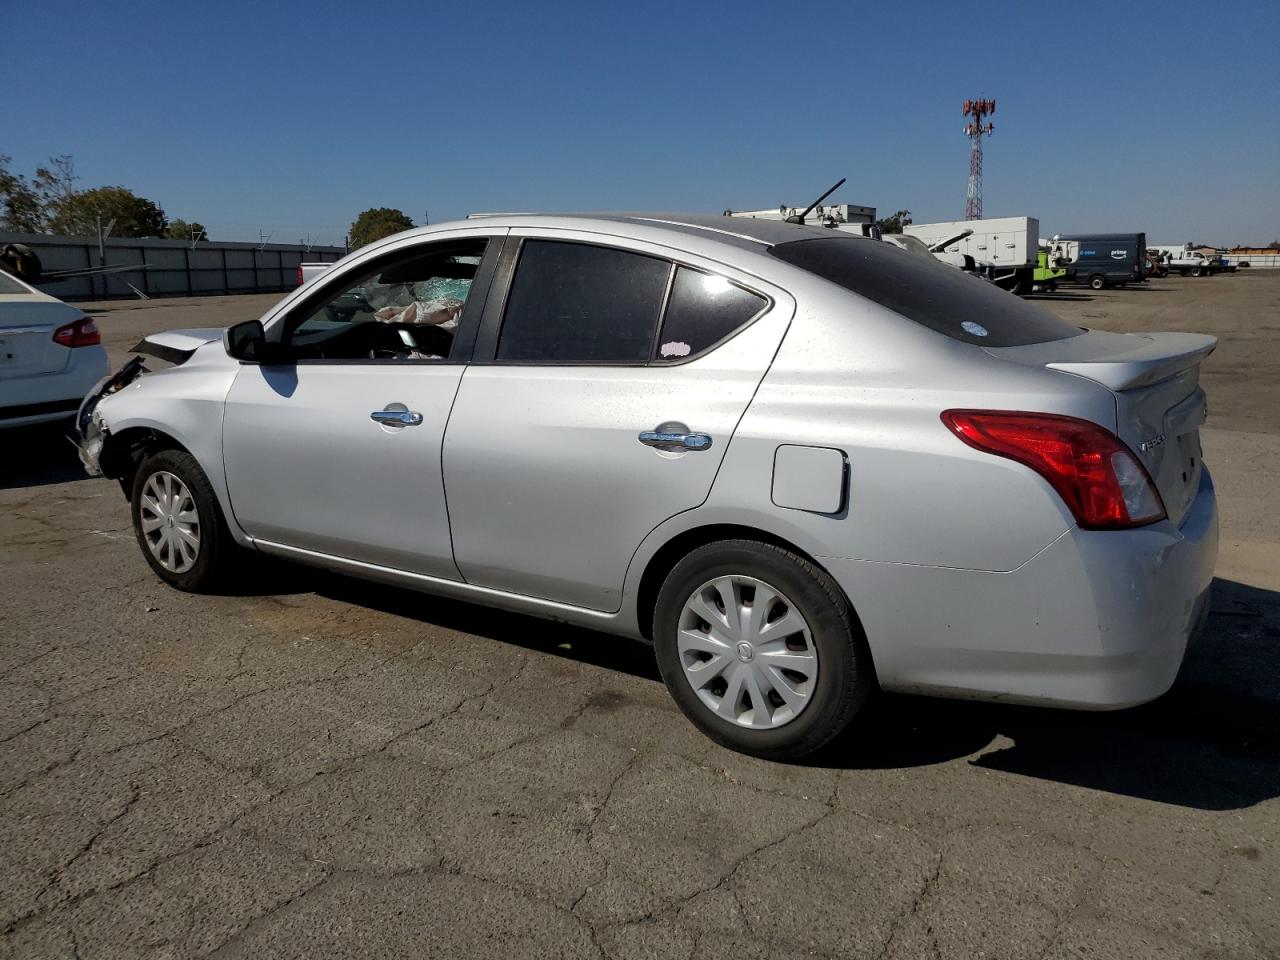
x,y
9,285
942,298
702,311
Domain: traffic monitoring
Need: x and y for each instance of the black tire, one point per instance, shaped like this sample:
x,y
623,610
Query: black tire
x,y
1196,272
215,543
1097,281
846,676
1184,271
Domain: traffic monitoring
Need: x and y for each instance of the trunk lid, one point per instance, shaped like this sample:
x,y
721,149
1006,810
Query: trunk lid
x,y
1155,379
27,323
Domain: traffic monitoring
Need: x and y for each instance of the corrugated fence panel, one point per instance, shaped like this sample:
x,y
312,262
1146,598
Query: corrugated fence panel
x,y
169,267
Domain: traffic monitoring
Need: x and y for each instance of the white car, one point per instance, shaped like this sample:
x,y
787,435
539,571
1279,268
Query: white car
x,y
51,355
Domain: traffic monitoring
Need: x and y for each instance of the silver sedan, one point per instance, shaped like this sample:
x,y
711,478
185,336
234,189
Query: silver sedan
x,y
802,465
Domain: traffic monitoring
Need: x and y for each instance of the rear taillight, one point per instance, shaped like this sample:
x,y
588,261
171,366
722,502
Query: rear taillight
x,y
1097,476
299,275
82,333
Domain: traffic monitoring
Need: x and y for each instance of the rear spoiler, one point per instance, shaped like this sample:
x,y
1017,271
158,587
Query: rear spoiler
x,y
1156,357
176,346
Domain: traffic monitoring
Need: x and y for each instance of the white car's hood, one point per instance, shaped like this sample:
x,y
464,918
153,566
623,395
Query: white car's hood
x,y
184,340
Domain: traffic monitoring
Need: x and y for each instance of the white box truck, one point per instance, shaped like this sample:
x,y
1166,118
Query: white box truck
x,y
1004,248
851,217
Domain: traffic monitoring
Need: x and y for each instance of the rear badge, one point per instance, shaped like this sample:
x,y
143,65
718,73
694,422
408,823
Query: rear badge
x,y
1156,441
973,329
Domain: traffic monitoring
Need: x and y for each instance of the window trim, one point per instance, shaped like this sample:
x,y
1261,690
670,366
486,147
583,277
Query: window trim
x,y
464,337
486,348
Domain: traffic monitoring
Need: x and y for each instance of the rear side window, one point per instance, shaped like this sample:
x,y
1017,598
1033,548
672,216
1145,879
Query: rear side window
x,y
577,303
10,286
703,309
942,298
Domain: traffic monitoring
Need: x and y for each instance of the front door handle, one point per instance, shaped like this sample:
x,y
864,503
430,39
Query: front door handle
x,y
675,438
396,418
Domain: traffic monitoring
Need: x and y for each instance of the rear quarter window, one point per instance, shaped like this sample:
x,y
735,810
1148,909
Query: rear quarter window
x,y
942,298
703,309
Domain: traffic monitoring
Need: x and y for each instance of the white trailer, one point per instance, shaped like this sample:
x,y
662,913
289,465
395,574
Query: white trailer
x,y
1004,248
838,215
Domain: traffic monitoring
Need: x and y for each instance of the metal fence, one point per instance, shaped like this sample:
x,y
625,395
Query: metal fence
x,y
169,268
1255,259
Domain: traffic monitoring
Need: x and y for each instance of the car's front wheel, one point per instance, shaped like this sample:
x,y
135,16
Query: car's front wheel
x,y
760,649
178,522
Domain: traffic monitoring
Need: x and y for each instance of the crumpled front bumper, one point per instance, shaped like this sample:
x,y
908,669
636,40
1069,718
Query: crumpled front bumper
x,y
91,430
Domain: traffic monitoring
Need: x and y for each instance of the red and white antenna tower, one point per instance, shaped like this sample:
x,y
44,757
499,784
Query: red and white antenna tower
x,y
976,110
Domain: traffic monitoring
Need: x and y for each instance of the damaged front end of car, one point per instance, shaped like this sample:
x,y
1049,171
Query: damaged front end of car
x,y
173,347
90,426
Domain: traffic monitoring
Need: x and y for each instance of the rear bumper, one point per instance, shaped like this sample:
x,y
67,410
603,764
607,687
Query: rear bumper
x,y
28,413
1097,620
51,396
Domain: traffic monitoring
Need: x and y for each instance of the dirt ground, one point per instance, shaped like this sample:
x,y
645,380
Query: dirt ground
x,y
321,767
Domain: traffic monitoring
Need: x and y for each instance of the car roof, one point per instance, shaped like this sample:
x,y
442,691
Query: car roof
x,y
742,232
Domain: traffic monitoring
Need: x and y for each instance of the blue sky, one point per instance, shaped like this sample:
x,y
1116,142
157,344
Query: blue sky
x,y
293,117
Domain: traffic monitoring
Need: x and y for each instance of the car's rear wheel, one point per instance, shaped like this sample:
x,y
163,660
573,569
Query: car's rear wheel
x,y
178,522
1097,281
760,649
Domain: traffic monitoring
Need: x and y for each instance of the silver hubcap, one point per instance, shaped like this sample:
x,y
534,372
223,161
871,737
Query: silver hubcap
x,y
747,652
170,523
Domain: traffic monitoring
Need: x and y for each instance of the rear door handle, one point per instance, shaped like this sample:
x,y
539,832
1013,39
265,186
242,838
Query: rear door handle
x,y
396,418
675,439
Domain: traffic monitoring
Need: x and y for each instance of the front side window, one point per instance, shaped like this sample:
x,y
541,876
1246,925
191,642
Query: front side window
x,y
578,303
406,307
703,309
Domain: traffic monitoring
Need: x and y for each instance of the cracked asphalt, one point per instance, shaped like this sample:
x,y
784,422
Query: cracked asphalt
x,y
319,767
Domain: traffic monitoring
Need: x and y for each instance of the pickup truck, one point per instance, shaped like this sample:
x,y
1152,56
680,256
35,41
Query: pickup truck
x,y
1195,264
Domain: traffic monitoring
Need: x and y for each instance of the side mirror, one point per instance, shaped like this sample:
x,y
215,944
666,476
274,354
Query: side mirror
x,y
246,342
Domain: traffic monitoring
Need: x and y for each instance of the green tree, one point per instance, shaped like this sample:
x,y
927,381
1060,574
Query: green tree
x,y
376,223
895,223
21,209
182,230
56,182
79,213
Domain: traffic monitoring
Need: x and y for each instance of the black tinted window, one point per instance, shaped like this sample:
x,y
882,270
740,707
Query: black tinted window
x,y
941,298
576,303
702,311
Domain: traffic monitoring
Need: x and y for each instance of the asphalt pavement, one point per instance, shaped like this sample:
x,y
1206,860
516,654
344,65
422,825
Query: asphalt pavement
x,y
314,766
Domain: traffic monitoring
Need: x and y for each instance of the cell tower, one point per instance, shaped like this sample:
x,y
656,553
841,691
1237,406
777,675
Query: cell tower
x,y
976,110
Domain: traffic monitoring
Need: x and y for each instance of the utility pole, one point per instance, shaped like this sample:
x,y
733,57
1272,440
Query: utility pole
x,y
975,130
102,251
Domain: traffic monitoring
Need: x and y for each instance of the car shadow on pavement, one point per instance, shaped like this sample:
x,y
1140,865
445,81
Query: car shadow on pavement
x,y
39,455
1211,743
520,630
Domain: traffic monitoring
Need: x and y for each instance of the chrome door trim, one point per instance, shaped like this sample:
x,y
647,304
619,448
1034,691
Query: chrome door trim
x,y
457,589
